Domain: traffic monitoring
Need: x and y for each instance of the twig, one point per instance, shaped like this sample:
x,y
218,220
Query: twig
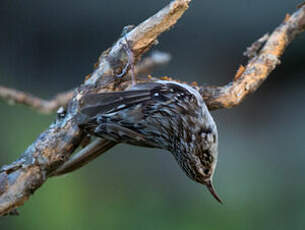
x,y
251,51
157,58
54,146
258,68
44,106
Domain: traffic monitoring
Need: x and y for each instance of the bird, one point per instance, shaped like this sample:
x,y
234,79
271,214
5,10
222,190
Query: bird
x,y
161,114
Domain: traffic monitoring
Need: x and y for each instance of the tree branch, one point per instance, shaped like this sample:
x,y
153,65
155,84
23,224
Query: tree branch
x,y
259,67
156,59
55,145
44,106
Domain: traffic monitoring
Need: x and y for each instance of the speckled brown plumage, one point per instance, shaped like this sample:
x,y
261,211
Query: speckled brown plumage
x,y
161,114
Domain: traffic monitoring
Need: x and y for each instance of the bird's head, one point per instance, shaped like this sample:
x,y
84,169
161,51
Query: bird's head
x,y
198,158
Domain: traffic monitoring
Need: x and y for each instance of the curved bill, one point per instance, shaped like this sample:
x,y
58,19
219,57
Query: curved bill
x,y
212,191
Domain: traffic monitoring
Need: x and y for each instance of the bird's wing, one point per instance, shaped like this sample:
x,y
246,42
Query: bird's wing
x,y
109,102
104,103
115,116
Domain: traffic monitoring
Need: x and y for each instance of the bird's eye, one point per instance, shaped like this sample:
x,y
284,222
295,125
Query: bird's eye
x,y
205,131
206,156
206,171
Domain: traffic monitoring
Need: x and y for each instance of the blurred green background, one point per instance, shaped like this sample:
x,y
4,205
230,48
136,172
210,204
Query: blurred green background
x,y
49,46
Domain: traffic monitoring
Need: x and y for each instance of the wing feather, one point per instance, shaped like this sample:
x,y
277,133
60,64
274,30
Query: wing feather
x,y
109,102
105,103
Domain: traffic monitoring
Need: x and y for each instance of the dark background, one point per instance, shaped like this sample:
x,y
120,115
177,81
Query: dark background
x,y
49,46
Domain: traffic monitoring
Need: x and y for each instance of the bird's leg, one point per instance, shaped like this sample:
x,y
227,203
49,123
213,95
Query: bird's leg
x,y
131,60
